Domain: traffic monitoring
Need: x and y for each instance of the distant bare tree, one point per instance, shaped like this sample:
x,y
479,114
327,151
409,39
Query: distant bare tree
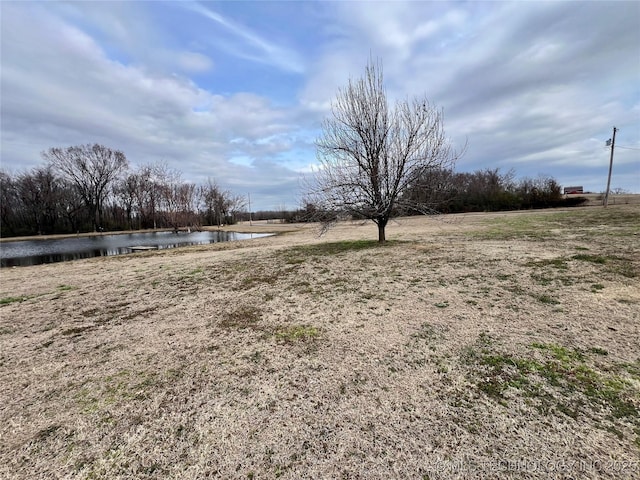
x,y
179,204
71,206
212,203
145,201
151,182
92,169
219,206
236,204
620,191
125,192
9,204
40,193
371,154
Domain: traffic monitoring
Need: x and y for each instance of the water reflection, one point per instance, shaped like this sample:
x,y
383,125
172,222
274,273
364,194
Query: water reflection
x,y
35,252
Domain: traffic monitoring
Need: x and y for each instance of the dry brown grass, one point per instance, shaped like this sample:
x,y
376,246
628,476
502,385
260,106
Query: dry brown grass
x,y
496,346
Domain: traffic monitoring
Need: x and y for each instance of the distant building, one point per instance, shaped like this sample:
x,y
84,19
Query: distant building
x,y
572,190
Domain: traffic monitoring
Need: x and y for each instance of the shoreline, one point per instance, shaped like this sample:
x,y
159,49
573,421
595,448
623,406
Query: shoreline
x,y
238,228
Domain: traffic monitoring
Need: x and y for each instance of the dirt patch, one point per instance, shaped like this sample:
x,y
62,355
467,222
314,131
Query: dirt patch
x,y
488,345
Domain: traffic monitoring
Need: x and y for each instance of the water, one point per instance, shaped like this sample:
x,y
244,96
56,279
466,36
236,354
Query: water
x,y
36,252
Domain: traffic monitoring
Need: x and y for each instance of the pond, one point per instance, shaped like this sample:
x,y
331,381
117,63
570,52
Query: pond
x,y
35,252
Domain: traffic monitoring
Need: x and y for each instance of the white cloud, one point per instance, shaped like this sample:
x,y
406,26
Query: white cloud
x,y
252,46
194,62
148,115
536,86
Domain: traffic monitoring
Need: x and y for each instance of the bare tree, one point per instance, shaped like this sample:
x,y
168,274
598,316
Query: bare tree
x,y
125,192
620,191
9,204
236,204
371,154
145,198
71,205
219,206
179,203
212,203
92,169
151,182
40,192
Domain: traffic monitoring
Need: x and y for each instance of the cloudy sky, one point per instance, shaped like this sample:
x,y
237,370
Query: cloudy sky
x,y
236,91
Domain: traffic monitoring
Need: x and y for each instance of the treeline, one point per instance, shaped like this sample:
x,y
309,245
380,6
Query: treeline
x,y
93,188
447,191
489,190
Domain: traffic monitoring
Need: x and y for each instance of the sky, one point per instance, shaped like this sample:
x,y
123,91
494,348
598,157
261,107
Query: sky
x,y
236,91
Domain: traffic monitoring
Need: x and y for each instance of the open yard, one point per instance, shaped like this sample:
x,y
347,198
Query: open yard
x,y
499,345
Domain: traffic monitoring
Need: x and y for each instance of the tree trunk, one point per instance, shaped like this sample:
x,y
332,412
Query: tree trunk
x,y
96,219
381,237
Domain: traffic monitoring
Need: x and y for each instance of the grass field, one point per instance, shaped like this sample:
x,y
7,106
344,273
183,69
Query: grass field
x,y
469,346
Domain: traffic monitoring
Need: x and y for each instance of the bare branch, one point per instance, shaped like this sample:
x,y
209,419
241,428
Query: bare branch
x,y
370,155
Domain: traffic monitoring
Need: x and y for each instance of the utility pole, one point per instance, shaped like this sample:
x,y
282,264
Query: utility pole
x,y
613,143
249,195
